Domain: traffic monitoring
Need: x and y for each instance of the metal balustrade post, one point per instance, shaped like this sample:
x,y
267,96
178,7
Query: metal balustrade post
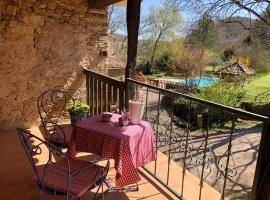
x,y
204,154
157,131
146,104
170,143
186,149
228,156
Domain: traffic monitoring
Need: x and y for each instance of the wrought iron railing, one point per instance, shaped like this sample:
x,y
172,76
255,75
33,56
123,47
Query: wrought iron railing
x,y
201,137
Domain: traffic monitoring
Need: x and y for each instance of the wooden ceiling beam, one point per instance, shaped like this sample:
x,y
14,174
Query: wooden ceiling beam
x,y
99,4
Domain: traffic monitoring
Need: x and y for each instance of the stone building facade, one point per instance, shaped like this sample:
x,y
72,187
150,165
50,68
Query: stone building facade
x,y
43,45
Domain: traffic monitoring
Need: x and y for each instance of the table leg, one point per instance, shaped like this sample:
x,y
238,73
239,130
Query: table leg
x,y
108,184
130,188
110,188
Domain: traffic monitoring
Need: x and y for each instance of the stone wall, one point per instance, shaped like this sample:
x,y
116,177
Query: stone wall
x,y
43,45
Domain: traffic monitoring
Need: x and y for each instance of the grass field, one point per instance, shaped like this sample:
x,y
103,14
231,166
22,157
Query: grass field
x,y
259,88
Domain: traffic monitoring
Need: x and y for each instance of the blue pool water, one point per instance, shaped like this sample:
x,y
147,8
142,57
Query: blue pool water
x,y
200,82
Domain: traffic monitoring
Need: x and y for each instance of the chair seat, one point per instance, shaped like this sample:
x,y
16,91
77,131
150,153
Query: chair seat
x,y
58,137
56,176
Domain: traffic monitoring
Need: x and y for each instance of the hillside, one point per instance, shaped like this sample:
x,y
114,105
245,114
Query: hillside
x,y
233,32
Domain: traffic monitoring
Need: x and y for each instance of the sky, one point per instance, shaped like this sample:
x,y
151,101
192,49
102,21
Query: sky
x,y
147,4
188,16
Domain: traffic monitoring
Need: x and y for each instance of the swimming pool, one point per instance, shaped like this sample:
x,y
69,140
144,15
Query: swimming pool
x,y
200,82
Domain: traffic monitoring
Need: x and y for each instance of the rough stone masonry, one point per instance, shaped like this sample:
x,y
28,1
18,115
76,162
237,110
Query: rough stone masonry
x,y
43,45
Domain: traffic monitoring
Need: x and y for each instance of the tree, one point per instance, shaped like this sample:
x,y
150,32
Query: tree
x,y
204,34
261,32
116,19
162,24
256,46
227,10
117,25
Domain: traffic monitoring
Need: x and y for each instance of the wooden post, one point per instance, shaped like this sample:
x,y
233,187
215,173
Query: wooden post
x,y
133,23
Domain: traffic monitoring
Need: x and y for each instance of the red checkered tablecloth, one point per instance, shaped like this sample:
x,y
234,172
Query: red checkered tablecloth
x,y
131,146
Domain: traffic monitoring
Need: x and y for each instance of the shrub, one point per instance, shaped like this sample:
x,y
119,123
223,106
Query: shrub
x,y
165,60
185,112
145,68
78,112
243,60
227,54
230,94
78,108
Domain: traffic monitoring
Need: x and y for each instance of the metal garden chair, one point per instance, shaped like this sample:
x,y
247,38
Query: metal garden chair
x,y
52,107
61,174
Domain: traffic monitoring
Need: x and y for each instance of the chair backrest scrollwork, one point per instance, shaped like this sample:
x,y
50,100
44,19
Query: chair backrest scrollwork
x,y
52,106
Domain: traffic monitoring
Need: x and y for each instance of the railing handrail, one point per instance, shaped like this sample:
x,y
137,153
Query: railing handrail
x,y
103,77
189,97
209,103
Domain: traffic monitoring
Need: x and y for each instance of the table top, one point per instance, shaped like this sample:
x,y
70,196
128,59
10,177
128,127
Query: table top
x,y
112,128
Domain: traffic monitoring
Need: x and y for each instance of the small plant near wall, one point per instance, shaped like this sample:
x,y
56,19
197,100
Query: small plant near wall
x,y
78,111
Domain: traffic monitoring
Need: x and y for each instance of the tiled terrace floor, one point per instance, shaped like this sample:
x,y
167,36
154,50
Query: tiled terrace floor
x,y
16,177
16,180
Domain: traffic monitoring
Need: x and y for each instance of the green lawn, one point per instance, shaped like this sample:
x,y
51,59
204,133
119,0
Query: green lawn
x,y
210,68
259,88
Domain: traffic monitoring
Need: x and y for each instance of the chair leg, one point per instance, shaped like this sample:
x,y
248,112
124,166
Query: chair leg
x,y
102,191
69,197
40,195
95,197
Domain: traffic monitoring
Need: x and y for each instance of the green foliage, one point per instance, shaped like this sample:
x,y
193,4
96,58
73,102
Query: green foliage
x,y
78,108
186,112
165,60
230,94
227,54
248,40
145,68
212,68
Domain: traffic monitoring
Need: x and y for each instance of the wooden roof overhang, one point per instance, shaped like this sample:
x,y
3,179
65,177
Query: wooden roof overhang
x,y
133,22
98,4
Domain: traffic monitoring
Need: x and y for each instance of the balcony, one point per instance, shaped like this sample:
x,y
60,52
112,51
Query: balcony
x,y
222,159
16,183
